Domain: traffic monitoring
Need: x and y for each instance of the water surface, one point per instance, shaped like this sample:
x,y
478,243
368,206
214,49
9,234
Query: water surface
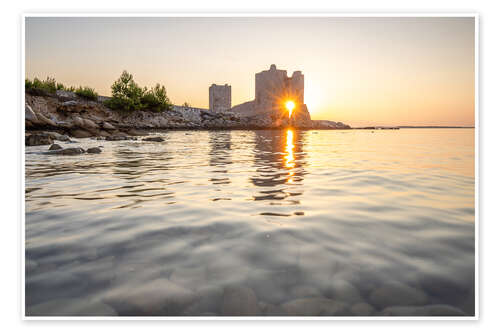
x,y
355,216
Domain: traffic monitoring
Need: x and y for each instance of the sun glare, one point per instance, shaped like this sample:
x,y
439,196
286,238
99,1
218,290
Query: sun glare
x,y
290,105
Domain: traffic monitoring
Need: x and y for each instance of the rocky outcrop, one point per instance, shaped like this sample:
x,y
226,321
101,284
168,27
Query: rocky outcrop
x,y
38,139
69,114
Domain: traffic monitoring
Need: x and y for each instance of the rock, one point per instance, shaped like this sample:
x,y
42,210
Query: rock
x,y
157,297
67,151
94,150
30,115
78,121
117,137
315,306
79,133
155,139
38,139
136,132
396,293
70,307
427,310
107,126
362,309
67,96
89,124
342,290
239,301
55,146
303,291
45,121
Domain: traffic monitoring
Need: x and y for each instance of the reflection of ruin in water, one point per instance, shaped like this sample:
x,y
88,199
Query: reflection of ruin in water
x,y
280,160
220,156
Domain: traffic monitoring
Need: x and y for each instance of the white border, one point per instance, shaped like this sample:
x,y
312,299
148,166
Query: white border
x,y
267,14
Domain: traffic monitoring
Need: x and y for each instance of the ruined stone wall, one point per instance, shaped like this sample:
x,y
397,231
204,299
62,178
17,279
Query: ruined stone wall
x,y
219,97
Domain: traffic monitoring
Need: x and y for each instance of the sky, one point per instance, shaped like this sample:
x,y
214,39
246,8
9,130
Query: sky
x,y
361,71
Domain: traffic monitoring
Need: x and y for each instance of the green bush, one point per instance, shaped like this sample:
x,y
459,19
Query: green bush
x,y
87,93
39,87
156,99
126,95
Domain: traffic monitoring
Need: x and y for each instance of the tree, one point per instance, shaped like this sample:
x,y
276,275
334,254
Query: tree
x,y
126,93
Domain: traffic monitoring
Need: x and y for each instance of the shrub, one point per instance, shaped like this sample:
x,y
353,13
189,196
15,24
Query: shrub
x,y
87,93
39,87
156,99
186,104
126,94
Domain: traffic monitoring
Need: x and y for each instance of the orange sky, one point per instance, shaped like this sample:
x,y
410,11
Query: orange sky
x,y
361,71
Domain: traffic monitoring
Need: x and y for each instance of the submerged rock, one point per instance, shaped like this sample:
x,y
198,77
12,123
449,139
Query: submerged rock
x,y
38,140
362,309
155,139
70,307
315,306
427,310
239,301
157,297
94,150
396,293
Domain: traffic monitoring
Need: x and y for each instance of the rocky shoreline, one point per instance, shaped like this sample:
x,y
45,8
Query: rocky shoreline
x,y
64,113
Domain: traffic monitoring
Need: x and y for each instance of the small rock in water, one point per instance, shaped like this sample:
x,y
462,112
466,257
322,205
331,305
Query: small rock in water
x,y
239,301
94,150
55,146
427,310
155,139
396,293
67,151
362,309
70,307
302,291
315,306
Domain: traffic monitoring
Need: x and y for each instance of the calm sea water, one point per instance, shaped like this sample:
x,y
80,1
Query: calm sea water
x,y
377,218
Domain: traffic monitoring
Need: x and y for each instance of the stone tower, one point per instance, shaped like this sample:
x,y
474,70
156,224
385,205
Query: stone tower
x,y
219,97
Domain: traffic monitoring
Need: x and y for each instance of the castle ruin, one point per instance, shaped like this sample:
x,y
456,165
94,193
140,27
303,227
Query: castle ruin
x,y
219,98
273,89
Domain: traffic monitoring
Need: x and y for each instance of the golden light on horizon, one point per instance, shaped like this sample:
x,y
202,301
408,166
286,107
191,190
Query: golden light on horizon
x,y
290,105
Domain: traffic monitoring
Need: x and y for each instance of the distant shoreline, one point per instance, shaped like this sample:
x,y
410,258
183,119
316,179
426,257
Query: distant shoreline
x,y
407,127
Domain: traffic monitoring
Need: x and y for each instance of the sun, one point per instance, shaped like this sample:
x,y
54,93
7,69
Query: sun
x,y
290,105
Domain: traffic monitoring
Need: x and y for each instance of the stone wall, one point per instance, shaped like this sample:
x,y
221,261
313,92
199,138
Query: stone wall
x,y
219,97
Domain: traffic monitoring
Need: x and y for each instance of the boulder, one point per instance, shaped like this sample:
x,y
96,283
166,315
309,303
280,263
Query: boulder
x,y
67,151
64,95
78,121
29,115
79,133
38,139
155,139
107,126
427,310
396,293
45,121
94,150
315,306
55,146
239,301
89,124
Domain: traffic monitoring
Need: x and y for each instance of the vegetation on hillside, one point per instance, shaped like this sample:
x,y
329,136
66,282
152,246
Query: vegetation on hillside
x,y
127,95
87,93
